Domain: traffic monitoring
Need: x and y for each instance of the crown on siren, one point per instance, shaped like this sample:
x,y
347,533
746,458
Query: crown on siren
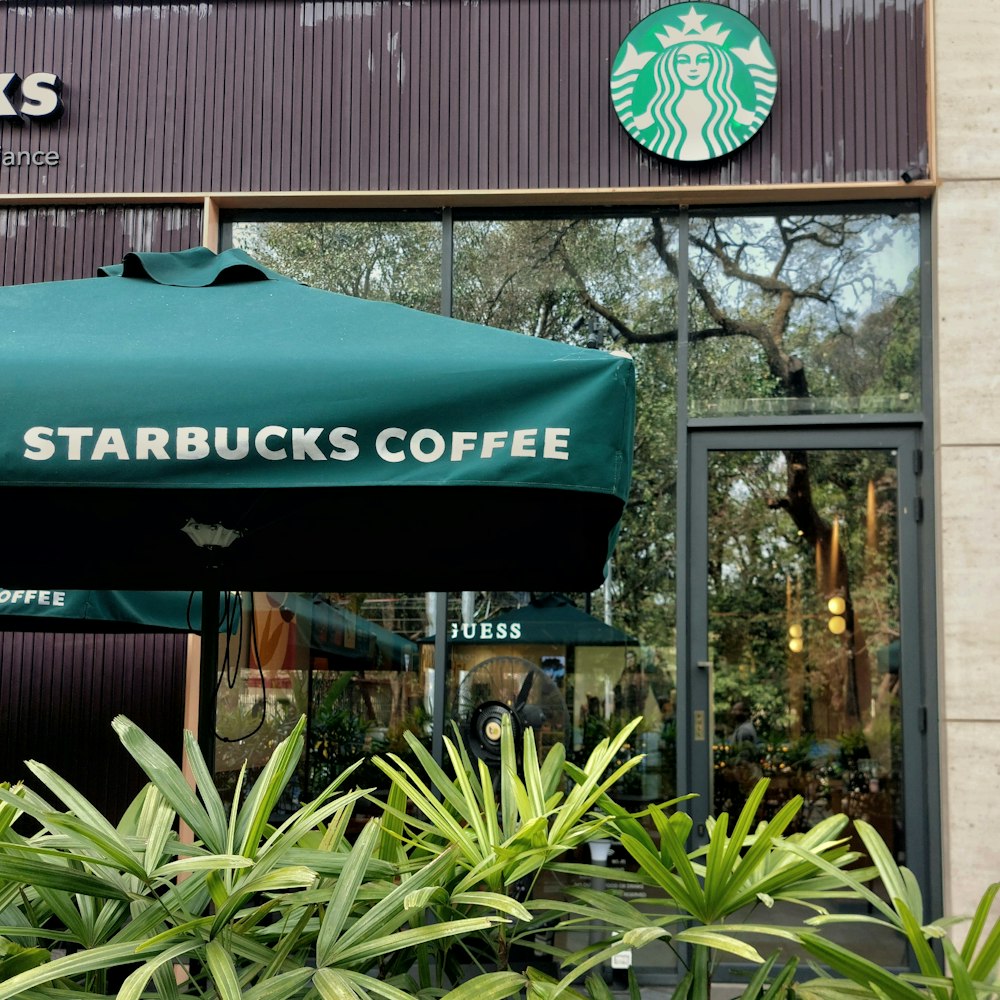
x,y
694,30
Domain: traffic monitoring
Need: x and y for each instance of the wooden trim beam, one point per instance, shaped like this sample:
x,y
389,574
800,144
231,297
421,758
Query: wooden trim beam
x,y
210,226
758,194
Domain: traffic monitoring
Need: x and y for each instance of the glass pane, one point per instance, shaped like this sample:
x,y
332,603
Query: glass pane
x,y
576,677
799,313
555,664
348,662
804,632
387,260
601,282
595,661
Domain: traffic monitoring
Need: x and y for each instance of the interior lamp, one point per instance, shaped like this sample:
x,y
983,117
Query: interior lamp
x,y
836,623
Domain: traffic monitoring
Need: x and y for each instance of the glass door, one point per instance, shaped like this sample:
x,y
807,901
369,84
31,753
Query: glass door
x,y
803,627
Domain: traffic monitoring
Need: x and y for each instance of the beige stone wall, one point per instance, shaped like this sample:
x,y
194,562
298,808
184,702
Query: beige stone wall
x,y
967,362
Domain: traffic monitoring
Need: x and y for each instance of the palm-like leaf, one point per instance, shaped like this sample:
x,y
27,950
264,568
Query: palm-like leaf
x,y
81,962
967,972
533,822
707,887
503,830
261,912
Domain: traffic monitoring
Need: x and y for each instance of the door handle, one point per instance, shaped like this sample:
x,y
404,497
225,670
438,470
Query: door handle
x,y
699,726
700,716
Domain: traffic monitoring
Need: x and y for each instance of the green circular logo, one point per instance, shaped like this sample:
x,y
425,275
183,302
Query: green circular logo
x,y
693,81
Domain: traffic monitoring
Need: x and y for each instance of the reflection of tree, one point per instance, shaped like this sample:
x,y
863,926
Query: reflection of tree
x,y
785,283
526,275
792,285
813,743
759,566
791,308
392,261
833,580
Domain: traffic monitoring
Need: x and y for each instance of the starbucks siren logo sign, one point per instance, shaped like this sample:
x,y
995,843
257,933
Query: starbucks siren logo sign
x,y
693,81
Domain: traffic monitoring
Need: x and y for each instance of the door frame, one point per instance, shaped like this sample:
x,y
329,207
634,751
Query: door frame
x,y
921,810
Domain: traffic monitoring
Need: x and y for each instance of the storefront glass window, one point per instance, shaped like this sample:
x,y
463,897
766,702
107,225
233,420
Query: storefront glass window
x,y
593,281
787,313
584,665
804,626
806,643
390,260
348,662
607,657
797,313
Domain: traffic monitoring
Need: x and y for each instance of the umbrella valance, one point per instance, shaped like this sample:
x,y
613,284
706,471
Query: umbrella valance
x,y
173,610
331,437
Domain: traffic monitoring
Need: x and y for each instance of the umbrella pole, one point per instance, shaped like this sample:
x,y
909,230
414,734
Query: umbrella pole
x,y
208,674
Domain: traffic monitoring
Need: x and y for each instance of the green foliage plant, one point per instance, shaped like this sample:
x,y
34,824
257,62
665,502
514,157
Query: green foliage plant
x,y
704,889
247,910
426,902
947,971
505,830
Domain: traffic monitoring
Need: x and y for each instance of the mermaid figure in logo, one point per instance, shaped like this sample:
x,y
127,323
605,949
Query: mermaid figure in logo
x,y
694,105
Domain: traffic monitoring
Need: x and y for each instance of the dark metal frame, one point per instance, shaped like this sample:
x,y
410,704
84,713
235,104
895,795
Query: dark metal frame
x,y
905,442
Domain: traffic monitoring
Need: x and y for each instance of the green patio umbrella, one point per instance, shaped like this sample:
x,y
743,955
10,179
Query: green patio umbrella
x,y
548,619
194,420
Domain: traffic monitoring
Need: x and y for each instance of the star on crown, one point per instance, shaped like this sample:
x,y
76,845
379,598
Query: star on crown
x,y
694,31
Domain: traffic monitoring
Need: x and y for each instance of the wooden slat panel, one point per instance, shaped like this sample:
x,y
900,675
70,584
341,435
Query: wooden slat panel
x,y
50,244
264,95
59,692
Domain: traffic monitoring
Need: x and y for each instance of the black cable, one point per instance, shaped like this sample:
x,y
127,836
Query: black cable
x,y
231,672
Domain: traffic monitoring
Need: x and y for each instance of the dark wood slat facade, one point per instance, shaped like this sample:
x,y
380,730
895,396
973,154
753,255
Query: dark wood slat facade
x,y
435,95
59,692
63,241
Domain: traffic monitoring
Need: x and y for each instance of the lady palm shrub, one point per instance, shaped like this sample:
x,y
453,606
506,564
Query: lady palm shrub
x,y
430,900
700,899
245,909
504,827
707,896
427,901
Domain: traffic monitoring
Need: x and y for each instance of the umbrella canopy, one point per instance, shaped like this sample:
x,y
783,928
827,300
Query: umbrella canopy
x,y
174,610
300,436
552,619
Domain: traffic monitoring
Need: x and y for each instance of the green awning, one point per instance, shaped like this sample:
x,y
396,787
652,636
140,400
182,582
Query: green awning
x,y
317,436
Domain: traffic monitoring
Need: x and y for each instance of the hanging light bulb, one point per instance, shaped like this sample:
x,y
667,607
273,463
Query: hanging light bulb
x,y
795,641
